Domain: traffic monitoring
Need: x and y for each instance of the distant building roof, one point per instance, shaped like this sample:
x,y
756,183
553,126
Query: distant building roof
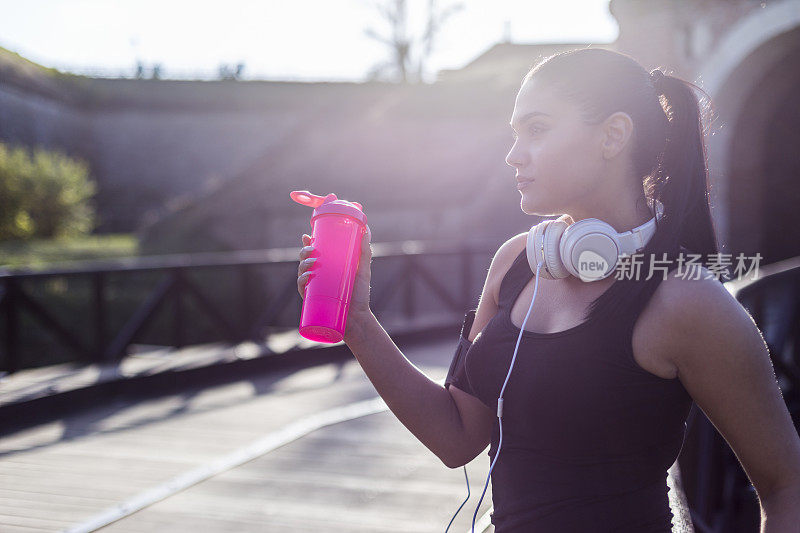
x,y
508,61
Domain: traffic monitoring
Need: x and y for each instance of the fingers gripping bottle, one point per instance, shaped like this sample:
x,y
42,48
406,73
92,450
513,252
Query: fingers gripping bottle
x,y
337,229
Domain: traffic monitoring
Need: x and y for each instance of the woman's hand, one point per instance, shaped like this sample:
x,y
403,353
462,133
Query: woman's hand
x,y
359,301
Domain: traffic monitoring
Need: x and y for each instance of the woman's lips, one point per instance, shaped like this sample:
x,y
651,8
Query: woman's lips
x,y
521,184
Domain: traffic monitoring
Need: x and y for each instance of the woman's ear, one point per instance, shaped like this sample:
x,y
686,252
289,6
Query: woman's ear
x,y
617,131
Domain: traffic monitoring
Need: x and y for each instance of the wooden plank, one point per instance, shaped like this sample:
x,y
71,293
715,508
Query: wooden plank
x,y
9,496
312,484
40,523
117,450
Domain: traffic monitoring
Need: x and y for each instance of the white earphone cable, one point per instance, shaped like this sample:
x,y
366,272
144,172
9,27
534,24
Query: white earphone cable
x,y
500,408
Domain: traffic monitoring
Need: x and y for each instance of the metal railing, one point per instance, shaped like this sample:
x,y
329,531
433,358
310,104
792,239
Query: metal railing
x,y
723,499
252,314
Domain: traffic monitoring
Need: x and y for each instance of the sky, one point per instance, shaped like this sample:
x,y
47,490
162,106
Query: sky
x,y
307,40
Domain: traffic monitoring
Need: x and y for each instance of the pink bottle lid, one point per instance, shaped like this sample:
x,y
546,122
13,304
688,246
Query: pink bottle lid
x,y
329,204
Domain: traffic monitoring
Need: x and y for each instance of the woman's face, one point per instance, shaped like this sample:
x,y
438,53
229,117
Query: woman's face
x,y
557,157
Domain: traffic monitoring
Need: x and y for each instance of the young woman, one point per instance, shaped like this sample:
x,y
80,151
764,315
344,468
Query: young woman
x,y
606,370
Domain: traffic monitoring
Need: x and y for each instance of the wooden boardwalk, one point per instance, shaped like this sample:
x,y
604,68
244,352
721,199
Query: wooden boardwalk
x,y
364,474
294,450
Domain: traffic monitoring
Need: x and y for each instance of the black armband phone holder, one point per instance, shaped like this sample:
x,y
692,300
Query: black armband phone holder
x,y
463,345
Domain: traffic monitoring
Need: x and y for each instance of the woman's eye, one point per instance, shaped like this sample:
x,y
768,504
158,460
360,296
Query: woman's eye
x,y
533,130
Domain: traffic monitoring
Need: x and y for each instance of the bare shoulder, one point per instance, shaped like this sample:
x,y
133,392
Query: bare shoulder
x,y
503,258
682,295
513,246
684,308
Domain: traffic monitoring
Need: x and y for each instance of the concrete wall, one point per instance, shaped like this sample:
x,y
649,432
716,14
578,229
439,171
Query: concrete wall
x,y
153,144
147,159
31,119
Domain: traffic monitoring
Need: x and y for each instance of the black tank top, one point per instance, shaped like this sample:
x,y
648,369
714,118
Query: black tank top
x,y
588,434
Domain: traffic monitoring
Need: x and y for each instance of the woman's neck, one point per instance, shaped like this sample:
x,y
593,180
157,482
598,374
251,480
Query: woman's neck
x,y
622,214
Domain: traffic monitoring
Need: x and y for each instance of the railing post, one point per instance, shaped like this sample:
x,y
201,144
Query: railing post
x,y
248,304
704,466
178,337
98,284
11,363
408,301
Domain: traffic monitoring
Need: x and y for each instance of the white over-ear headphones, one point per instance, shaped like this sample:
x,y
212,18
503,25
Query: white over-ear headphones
x,y
588,249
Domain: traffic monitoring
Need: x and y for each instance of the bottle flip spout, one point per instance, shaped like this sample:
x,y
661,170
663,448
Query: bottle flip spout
x,y
313,200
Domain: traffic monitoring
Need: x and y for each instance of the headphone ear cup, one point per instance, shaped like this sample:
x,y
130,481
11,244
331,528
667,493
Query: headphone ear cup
x,y
533,247
593,240
543,245
552,239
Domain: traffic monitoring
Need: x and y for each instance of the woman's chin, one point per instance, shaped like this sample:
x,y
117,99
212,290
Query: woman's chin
x,y
537,209
528,209
528,203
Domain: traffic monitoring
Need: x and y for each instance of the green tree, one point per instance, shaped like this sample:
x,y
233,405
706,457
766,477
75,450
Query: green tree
x,y
44,194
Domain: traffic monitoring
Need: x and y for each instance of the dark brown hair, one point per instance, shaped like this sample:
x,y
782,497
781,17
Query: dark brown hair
x,y
669,154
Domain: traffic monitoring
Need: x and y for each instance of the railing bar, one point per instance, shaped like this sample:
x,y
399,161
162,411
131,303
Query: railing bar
x,y
98,281
388,290
224,326
177,316
11,359
280,303
248,287
139,319
221,259
37,310
773,273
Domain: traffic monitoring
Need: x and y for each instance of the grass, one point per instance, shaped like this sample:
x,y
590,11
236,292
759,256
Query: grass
x,y
43,253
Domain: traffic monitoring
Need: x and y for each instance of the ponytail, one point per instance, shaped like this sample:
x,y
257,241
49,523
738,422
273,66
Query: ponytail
x,y
685,190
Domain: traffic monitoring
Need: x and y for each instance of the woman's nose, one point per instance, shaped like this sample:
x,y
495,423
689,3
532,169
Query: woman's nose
x,y
513,157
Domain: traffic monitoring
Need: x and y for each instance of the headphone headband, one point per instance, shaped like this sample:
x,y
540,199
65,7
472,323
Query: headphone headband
x,y
636,239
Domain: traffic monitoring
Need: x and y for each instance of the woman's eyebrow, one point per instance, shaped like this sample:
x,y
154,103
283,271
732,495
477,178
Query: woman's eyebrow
x,y
526,117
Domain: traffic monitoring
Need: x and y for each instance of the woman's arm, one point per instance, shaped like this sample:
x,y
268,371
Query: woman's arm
x,y
452,424
724,364
421,404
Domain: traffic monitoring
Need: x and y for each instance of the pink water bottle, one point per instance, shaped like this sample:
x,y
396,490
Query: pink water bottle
x,y
337,229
